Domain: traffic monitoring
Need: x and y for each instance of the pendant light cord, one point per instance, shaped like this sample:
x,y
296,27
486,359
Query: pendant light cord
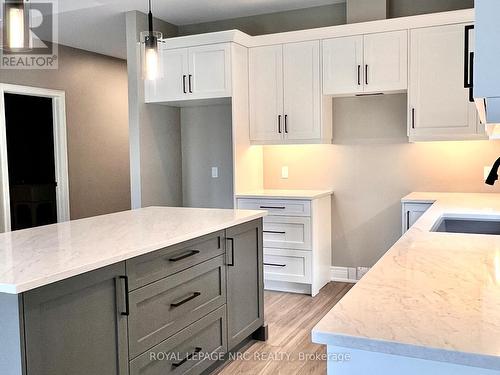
x,y
150,19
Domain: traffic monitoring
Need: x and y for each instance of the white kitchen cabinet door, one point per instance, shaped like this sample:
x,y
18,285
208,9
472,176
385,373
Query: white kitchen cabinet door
x,y
343,65
173,85
386,62
439,107
210,71
302,91
266,93
411,213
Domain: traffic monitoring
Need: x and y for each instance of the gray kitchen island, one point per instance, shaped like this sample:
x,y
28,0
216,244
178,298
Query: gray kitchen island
x,y
151,291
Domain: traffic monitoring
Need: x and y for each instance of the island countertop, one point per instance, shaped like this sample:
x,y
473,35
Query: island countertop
x,y
35,257
432,296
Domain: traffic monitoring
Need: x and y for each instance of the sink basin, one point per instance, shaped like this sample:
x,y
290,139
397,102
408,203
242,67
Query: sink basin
x,y
489,226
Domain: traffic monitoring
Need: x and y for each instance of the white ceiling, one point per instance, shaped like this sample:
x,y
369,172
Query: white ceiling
x,y
99,25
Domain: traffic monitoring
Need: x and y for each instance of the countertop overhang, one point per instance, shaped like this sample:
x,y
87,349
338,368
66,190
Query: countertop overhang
x,y
35,257
433,296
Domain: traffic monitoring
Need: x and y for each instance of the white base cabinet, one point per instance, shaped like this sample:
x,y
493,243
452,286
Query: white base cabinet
x,y
411,212
297,242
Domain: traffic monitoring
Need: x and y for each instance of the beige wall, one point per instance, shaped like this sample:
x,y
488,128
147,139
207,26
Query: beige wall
x,y
371,166
97,127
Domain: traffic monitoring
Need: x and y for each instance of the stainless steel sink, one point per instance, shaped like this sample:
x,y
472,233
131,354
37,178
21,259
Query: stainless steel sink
x,y
469,225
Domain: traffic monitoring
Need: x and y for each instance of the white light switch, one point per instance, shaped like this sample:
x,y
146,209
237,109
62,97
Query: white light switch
x,y
215,172
284,172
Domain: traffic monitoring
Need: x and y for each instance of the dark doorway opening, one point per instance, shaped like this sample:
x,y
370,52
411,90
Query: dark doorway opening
x,y
30,154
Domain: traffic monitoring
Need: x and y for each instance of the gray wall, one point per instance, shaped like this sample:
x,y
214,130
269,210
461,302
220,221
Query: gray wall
x,y
402,8
309,18
206,143
97,132
155,136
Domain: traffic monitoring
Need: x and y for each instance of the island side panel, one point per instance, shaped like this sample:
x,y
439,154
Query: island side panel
x,y
11,335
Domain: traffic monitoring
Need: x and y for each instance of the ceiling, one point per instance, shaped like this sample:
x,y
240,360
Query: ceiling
x,y
99,25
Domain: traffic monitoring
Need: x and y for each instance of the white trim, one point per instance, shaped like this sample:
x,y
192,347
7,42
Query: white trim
x,y
344,274
60,150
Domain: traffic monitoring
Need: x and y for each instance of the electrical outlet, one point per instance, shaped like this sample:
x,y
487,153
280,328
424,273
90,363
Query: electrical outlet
x,y
487,172
361,271
284,172
215,172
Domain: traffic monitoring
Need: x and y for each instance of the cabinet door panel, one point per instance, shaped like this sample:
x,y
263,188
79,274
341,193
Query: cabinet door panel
x,y
342,65
412,212
266,93
439,103
210,71
245,304
302,93
173,85
75,326
386,61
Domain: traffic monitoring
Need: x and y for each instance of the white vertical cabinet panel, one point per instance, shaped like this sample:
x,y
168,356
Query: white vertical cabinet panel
x,y
173,85
386,61
439,107
266,93
343,65
302,92
210,71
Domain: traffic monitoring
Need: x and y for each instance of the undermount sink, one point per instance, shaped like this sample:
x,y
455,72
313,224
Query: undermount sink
x,y
484,225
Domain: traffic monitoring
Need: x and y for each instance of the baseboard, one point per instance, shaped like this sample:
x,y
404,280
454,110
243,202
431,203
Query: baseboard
x,y
348,274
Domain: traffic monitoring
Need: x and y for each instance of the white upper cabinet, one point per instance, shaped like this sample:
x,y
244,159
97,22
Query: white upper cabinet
x,y
302,91
364,64
343,65
195,73
266,93
210,71
439,106
285,94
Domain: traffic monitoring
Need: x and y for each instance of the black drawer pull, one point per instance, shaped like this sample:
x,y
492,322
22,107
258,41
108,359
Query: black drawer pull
x,y
232,252
272,208
185,300
188,357
188,254
127,301
275,265
273,232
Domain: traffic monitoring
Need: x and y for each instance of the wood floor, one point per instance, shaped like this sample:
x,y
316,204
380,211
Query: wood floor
x,y
290,318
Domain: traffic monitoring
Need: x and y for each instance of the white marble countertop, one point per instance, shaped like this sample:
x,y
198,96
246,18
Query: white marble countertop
x,y
39,256
433,295
285,194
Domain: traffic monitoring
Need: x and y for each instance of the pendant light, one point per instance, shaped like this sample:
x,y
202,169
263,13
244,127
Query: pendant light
x,y
151,67
16,25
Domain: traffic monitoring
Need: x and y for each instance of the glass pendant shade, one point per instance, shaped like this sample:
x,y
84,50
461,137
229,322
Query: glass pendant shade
x,y
16,25
150,55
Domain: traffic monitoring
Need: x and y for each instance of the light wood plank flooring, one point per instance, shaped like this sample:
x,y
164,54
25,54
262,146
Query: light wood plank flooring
x,y
290,318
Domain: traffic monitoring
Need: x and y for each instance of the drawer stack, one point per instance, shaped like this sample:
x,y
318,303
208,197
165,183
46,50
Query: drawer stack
x,y
297,244
177,305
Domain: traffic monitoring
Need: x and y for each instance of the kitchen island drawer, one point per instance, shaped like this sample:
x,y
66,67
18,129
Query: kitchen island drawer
x,y
191,351
159,310
148,268
287,265
287,232
280,207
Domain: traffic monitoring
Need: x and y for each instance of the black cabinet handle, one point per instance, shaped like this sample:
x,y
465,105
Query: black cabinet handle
x,y
413,118
366,74
190,83
188,254
273,232
272,208
359,75
467,82
185,300
471,77
184,84
279,124
275,265
286,124
407,220
232,252
127,300
188,357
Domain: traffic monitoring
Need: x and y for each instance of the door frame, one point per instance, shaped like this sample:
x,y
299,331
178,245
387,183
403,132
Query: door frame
x,y
60,150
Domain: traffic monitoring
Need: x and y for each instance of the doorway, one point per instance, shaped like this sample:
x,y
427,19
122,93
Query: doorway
x,y
33,157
